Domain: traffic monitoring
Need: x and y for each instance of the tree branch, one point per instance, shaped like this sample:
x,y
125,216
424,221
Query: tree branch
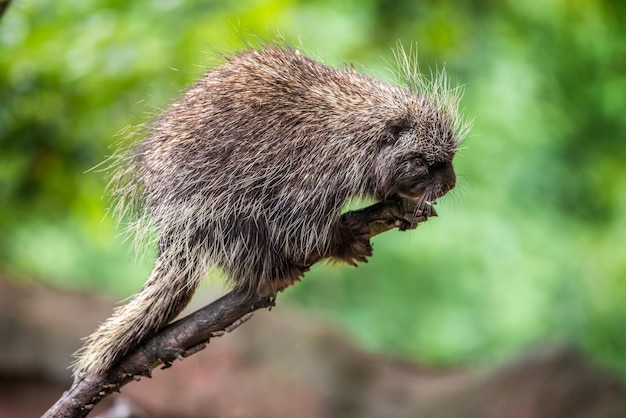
x,y
190,334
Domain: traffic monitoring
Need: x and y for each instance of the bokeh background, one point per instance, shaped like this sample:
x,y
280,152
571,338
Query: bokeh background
x,y
530,248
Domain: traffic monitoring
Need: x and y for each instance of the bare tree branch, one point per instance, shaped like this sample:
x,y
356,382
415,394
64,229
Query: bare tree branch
x,y
191,334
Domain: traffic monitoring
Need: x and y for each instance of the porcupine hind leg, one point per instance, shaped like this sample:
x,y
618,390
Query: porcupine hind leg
x,y
254,262
266,275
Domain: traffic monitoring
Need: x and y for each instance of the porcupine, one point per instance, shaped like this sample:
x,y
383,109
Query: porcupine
x,y
249,170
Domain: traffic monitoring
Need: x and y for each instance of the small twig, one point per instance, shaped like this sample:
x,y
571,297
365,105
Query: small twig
x,y
191,334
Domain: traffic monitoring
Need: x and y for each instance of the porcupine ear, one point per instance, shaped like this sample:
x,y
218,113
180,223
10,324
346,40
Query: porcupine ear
x,y
393,130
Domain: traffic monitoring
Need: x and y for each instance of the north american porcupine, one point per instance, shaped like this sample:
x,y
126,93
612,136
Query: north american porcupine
x,y
250,169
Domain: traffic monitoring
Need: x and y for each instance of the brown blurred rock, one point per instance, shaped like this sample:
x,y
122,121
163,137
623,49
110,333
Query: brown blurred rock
x,y
285,364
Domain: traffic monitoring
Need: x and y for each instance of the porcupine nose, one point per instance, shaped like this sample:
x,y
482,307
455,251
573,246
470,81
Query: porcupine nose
x,y
445,176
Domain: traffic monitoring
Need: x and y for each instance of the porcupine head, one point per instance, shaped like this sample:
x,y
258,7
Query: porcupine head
x,y
249,170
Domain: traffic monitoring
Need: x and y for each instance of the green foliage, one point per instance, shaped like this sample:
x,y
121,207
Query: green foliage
x,y
529,247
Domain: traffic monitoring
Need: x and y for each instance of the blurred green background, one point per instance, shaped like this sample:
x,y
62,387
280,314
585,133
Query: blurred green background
x,y
530,247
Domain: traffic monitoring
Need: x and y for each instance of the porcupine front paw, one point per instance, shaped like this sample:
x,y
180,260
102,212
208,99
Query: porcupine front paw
x,y
349,246
358,250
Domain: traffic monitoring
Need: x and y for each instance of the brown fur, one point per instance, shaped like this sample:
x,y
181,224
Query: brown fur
x,y
249,170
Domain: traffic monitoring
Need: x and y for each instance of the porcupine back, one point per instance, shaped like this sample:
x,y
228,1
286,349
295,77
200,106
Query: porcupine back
x,y
248,171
